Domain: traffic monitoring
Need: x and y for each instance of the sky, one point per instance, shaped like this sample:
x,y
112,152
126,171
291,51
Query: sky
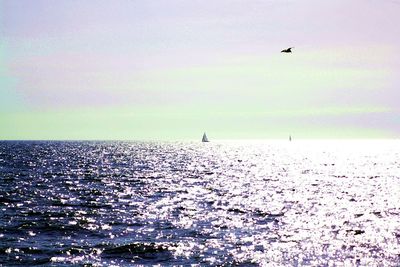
x,y
172,69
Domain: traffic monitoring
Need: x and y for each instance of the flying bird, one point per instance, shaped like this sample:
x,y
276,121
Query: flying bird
x,y
288,50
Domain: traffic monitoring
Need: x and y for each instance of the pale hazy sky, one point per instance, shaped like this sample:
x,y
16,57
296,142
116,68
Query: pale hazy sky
x,y
173,69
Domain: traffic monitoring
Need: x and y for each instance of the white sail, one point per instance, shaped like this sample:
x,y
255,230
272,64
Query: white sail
x,y
204,139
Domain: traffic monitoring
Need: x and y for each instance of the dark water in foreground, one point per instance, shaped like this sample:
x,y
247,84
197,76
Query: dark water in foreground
x,y
269,204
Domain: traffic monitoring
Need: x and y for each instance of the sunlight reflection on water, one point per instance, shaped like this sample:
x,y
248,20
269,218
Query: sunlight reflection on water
x,y
263,203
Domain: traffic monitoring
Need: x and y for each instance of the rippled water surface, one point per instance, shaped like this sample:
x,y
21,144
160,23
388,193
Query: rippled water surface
x,y
249,203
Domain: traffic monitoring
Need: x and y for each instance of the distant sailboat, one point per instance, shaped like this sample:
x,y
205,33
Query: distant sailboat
x,y
204,139
290,138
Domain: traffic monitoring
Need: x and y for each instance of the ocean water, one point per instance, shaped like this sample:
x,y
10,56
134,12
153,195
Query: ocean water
x,y
272,203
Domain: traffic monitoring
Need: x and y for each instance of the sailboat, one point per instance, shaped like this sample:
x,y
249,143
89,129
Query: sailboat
x,y
204,139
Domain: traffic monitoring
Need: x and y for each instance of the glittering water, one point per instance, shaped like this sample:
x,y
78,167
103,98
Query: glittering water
x,y
250,203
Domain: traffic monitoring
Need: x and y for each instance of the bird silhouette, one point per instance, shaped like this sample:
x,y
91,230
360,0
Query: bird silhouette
x,y
288,50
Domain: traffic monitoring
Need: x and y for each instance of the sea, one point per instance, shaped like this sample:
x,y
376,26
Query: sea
x,y
222,203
